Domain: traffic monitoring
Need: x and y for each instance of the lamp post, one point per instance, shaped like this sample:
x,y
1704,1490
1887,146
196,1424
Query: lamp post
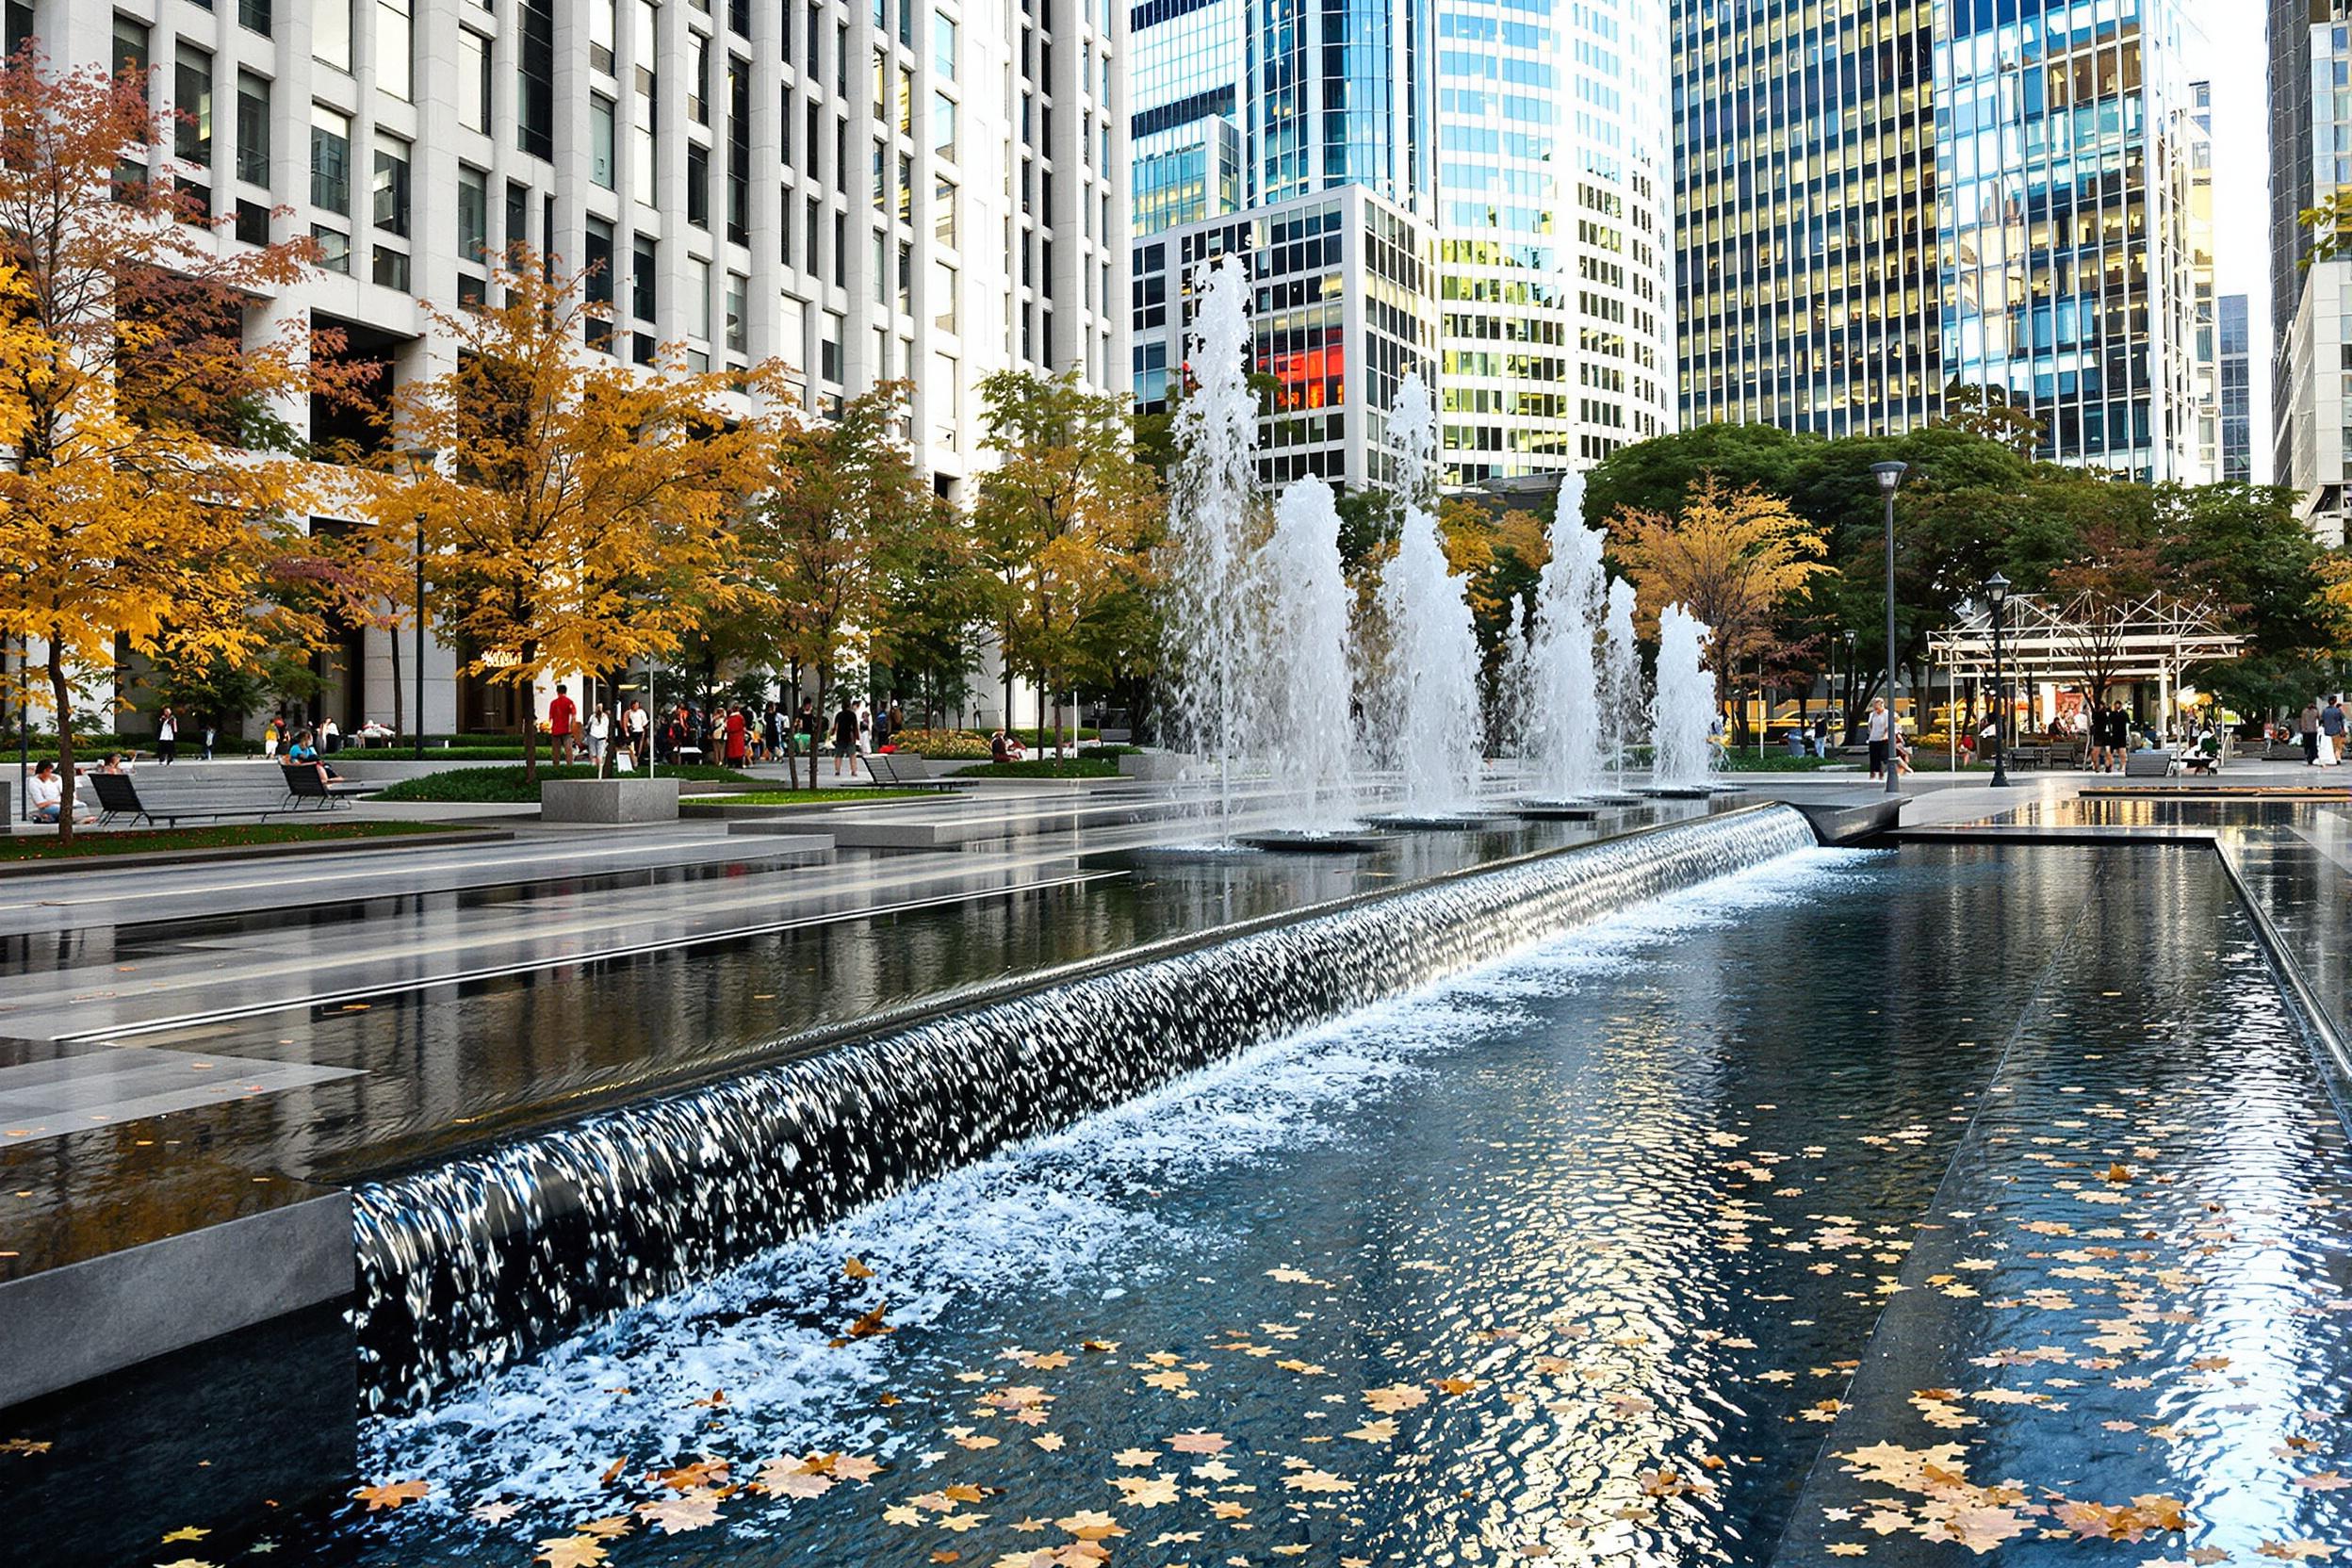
x,y
420,637
1890,479
1997,595
1853,684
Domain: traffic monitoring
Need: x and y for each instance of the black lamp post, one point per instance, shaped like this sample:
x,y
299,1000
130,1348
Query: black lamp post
x,y
420,637
1890,479
1854,683
1997,595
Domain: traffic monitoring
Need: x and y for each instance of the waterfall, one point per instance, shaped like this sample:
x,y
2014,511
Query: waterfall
x,y
1685,710
1212,511
1431,717
1564,707
464,1268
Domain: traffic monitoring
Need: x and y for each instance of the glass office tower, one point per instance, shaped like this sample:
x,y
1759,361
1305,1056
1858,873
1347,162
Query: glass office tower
x,y
1554,247
1879,198
2237,392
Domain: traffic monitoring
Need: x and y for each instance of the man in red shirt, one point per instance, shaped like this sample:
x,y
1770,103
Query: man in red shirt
x,y
561,715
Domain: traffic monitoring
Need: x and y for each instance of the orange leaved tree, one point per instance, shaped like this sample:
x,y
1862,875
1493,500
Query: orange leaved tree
x,y
575,512
147,486
1732,556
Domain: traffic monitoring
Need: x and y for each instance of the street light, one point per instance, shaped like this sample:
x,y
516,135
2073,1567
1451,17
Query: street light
x,y
1854,683
1890,479
1997,595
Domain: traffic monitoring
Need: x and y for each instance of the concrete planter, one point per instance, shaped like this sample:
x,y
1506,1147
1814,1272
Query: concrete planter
x,y
608,800
1155,766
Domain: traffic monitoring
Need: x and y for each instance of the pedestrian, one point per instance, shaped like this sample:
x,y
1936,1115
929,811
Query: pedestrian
x,y
811,726
738,732
771,731
212,733
330,736
883,729
639,730
2307,730
2331,732
562,714
167,736
270,739
600,731
845,738
2117,733
1881,730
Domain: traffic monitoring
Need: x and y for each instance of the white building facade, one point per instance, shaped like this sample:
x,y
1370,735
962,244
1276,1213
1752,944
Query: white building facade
x,y
865,191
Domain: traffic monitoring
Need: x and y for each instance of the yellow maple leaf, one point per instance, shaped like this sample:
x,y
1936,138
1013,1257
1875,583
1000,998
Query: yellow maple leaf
x,y
392,1494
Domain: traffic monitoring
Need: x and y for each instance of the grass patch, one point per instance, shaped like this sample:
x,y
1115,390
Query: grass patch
x,y
508,786
1778,761
1045,767
841,796
89,844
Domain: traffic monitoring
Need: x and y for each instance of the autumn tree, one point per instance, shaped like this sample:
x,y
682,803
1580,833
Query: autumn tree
x,y
842,510
1065,521
1733,556
148,484
575,512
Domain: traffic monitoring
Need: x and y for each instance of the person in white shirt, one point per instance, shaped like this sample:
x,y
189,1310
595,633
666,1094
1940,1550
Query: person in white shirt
x,y
1881,730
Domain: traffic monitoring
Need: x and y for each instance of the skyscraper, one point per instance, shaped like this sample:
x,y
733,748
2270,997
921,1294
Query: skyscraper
x,y
2237,391
1841,266
1511,156
2311,363
2298,178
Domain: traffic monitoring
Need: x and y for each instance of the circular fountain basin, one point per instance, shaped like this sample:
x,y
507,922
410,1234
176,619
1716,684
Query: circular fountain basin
x,y
1306,841
1445,822
1677,792
1571,807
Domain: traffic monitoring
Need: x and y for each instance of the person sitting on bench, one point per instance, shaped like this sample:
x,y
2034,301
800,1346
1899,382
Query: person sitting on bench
x,y
304,754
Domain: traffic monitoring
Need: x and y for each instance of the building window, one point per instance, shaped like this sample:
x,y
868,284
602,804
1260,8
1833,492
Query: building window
x,y
534,82
391,192
943,125
253,223
473,81
191,98
253,128
643,285
255,15
943,212
737,329
698,299
603,32
334,248
473,213
330,32
943,46
601,150
395,62
130,49
331,161
390,268
599,325
698,186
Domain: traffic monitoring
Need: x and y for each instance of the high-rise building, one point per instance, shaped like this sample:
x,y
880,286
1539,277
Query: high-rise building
x,y
1523,145
2300,175
1841,266
864,189
2205,361
2313,363
1556,289
2235,356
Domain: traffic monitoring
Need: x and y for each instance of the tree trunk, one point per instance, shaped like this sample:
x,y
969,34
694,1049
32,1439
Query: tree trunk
x,y
61,695
530,689
392,635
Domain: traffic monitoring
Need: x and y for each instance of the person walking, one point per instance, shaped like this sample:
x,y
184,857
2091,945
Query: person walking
x,y
600,731
563,713
845,738
737,734
812,730
771,732
270,739
211,734
2307,730
167,736
1881,730
2331,732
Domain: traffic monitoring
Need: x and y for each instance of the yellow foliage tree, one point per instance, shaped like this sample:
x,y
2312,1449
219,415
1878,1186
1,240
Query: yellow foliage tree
x,y
148,486
575,512
1732,556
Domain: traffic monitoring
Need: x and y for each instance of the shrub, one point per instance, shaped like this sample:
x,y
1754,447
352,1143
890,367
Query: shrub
x,y
1045,767
508,786
946,745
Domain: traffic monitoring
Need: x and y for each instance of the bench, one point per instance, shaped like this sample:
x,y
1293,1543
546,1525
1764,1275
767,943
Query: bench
x,y
2152,762
882,768
288,789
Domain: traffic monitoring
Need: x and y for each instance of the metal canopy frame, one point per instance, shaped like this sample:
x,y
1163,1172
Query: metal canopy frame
x,y
2155,638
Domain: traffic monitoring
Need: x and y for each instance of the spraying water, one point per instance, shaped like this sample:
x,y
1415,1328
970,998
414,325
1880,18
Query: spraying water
x,y
1564,710
1310,737
1212,508
1685,710
1620,675
1432,689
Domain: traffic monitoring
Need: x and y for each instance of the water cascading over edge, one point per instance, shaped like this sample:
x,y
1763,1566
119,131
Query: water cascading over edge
x,y
466,1267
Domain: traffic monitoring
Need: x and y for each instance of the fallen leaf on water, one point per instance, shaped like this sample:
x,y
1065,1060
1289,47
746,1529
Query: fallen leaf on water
x,y
855,1270
392,1494
571,1551
871,1323
678,1514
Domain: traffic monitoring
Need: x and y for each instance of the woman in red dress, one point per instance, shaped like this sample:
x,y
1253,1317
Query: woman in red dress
x,y
737,730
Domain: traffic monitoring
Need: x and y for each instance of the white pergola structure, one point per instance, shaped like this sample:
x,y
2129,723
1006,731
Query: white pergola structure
x,y
2151,639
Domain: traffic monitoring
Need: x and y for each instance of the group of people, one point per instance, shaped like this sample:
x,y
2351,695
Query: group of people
x,y
2321,728
731,734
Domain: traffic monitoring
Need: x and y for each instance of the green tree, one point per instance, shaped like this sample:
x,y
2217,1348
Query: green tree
x,y
1064,522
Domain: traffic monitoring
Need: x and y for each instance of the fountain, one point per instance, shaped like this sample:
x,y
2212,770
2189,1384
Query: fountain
x,y
1212,509
1621,678
1564,707
1684,715
1430,712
